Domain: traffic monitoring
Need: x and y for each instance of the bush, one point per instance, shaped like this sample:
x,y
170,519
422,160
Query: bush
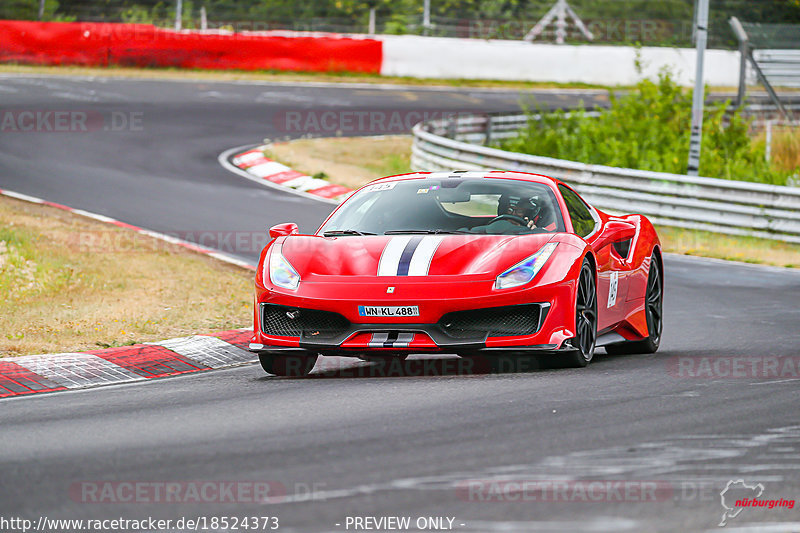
x,y
648,129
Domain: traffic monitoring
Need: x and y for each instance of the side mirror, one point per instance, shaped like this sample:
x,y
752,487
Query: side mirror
x,y
287,228
617,231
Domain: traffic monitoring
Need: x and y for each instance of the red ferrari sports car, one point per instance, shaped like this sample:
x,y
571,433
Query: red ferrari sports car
x,y
470,263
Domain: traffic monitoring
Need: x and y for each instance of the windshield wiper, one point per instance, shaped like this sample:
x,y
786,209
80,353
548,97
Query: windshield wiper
x,y
340,232
423,231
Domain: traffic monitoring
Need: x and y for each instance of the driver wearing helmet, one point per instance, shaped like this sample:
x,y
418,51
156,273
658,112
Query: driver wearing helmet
x,y
526,209
515,214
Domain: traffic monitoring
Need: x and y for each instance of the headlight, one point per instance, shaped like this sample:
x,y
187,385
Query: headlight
x,y
524,271
281,272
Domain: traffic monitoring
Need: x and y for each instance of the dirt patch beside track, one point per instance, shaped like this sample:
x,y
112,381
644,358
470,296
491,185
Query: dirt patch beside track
x,y
73,284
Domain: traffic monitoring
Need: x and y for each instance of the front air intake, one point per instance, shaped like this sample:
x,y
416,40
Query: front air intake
x,y
284,321
509,321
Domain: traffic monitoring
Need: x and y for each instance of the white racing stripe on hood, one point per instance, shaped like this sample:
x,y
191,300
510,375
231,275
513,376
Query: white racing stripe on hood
x,y
390,258
395,260
421,260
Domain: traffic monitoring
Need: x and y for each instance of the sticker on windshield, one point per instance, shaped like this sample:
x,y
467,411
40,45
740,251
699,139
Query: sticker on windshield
x,y
381,187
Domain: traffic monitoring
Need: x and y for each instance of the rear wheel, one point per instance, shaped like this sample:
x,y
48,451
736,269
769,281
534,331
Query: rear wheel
x,y
585,319
287,365
654,302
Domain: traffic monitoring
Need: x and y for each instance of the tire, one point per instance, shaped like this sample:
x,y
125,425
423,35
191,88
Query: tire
x,y
654,312
585,319
287,365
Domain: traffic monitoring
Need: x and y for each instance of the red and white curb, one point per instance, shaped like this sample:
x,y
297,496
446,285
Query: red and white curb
x,y
254,165
155,235
31,374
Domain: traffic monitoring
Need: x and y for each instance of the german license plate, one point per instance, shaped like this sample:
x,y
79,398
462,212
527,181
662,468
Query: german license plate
x,y
390,310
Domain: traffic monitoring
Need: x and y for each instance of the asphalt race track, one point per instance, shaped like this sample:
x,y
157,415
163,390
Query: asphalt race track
x,y
631,443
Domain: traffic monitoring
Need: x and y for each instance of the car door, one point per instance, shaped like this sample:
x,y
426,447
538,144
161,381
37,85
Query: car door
x,y
612,282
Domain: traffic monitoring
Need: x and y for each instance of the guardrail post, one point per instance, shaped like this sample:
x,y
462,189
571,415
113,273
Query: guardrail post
x,y
488,131
741,35
451,127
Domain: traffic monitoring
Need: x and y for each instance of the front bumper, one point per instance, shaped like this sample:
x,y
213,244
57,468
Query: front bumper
x,y
425,333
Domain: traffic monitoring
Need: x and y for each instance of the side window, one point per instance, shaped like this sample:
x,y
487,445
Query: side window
x,y
582,221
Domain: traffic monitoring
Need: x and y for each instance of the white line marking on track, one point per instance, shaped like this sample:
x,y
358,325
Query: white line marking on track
x,y
23,197
160,236
773,382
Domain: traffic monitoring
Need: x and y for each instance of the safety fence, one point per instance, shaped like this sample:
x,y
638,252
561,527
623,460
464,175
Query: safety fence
x,y
145,45
723,206
780,67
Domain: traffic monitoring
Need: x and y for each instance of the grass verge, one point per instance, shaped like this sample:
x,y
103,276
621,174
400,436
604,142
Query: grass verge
x,y
355,161
73,284
348,161
279,76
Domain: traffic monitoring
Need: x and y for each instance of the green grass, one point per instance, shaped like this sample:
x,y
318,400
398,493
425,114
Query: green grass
x,y
26,271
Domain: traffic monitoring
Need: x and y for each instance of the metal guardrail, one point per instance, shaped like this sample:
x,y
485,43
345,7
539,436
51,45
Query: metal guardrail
x,y
780,67
723,206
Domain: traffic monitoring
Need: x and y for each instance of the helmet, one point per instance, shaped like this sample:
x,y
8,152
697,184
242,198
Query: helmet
x,y
528,207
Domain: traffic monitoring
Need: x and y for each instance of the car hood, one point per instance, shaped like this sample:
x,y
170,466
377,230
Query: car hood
x,y
481,256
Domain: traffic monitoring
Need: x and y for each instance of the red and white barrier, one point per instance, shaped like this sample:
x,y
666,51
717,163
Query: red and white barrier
x,y
141,45
78,43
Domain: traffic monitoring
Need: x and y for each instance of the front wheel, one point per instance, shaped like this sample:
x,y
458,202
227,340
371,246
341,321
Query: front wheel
x,y
287,365
585,319
654,302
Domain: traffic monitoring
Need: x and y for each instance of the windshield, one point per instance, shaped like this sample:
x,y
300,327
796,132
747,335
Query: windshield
x,y
450,205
